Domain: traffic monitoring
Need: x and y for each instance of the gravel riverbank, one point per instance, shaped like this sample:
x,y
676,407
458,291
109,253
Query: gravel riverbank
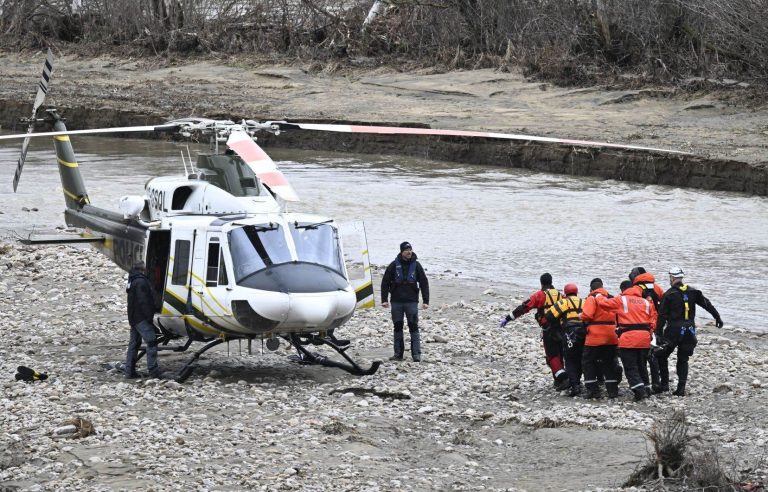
x,y
478,414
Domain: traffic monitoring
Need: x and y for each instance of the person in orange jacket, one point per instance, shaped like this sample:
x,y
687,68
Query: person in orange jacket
x,y
600,344
635,323
541,300
565,313
644,285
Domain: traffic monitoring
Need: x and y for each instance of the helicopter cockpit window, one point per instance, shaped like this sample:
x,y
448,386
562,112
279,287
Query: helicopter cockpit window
x,y
317,243
254,248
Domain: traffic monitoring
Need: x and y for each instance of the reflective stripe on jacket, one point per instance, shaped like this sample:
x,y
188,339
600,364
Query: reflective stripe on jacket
x,y
601,324
635,319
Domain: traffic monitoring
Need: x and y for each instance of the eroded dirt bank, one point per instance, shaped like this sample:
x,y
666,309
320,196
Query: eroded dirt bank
x,y
726,137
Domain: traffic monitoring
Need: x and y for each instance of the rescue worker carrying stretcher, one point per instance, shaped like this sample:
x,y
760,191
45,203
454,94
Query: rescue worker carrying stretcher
x,y
678,312
644,285
541,301
565,314
635,323
600,345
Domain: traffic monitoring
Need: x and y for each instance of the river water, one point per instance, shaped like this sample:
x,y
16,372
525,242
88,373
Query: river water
x,y
503,227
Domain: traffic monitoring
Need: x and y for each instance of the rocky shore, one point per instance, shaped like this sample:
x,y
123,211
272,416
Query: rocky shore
x,y
478,414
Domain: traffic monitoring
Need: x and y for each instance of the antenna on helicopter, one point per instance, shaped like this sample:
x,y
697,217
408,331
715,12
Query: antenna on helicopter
x,y
184,162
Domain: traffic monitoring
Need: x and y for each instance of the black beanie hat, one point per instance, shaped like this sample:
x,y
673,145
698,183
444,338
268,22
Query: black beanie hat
x,y
626,284
596,283
405,245
545,279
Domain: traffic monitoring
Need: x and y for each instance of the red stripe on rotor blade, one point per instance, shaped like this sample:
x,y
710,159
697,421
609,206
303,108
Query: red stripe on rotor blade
x,y
249,151
273,178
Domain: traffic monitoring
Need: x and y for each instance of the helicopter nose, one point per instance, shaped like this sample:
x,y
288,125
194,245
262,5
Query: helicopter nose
x,y
319,310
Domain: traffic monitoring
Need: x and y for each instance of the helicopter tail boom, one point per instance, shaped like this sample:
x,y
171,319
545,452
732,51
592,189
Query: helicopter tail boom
x,y
75,194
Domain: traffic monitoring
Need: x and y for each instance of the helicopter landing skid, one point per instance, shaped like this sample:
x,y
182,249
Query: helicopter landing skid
x,y
186,371
307,357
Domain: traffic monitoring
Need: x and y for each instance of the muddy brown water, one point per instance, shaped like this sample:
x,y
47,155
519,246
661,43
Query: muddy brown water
x,y
502,227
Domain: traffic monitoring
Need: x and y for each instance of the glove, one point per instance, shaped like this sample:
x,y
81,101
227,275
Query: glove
x,y
505,320
719,323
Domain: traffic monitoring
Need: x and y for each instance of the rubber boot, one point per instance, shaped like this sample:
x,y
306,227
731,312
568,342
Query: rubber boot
x,y
399,342
639,393
562,382
416,345
576,390
612,389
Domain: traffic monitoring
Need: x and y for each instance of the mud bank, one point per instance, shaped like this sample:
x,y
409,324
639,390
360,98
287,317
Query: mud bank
x,y
727,140
636,166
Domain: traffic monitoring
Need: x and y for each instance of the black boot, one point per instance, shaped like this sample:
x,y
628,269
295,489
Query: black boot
x,y
680,391
399,342
575,390
612,389
562,382
639,393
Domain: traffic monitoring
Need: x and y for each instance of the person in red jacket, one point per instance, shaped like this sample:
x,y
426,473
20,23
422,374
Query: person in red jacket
x,y
635,323
600,345
541,301
644,285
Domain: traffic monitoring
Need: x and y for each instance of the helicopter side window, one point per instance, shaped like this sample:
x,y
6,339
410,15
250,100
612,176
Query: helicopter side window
x,y
180,262
180,196
317,243
254,248
212,274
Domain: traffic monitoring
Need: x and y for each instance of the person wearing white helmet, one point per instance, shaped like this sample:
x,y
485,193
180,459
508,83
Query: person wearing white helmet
x,y
677,313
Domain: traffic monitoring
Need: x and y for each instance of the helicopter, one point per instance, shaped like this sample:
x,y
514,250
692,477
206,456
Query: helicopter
x,y
226,259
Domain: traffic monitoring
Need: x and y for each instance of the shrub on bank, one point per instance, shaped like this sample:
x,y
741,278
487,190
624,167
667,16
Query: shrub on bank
x,y
569,42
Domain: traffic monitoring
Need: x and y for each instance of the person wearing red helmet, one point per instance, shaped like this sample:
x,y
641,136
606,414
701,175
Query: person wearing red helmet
x,y
600,344
565,313
635,322
541,300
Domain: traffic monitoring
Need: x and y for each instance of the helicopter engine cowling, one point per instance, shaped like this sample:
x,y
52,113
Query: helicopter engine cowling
x,y
131,206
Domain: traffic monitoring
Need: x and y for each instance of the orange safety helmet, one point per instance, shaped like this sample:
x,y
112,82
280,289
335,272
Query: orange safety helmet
x,y
571,289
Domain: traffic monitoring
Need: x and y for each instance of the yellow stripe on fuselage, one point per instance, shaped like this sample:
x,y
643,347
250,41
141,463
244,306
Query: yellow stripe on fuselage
x,y
66,163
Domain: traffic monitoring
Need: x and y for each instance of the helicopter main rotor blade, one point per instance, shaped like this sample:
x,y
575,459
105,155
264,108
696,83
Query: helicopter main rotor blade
x,y
262,165
126,129
393,130
42,90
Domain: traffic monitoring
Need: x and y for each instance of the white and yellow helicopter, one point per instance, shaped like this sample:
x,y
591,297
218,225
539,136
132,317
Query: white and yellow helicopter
x,y
226,259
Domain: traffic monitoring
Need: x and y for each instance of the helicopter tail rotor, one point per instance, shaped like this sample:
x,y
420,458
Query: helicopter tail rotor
x,y
42,90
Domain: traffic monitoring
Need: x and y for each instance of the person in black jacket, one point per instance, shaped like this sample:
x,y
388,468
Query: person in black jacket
x,y
403,279
677,312
141,312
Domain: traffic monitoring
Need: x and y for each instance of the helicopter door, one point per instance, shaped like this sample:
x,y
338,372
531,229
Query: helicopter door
x,y
216,278
355,247
158,250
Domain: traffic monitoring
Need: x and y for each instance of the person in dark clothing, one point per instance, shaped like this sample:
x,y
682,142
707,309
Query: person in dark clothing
x,y
141,312
402,281
676,316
